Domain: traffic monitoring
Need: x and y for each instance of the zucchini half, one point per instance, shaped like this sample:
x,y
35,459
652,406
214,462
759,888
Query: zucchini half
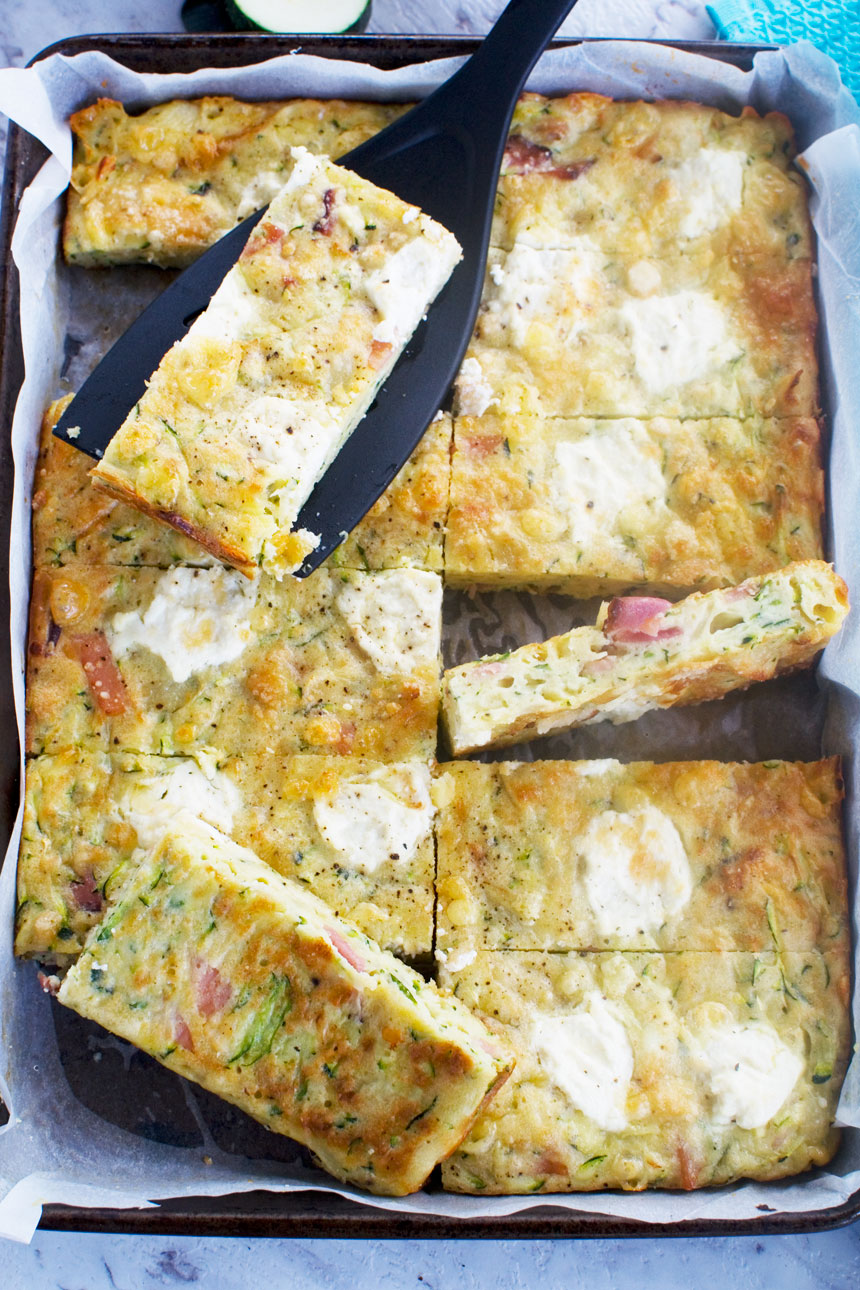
x,y
334,16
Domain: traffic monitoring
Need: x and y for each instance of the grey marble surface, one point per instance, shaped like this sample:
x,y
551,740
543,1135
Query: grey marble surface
x,y
828,1261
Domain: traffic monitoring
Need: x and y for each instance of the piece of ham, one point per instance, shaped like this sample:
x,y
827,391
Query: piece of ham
x,y
182,1034
325,223
522,157
632,620
103,676
212,993
86,894
345,950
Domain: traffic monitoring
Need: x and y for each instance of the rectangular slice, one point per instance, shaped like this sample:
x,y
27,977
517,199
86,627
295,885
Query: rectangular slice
x,y
247,411
582,331
74,523
656,1070
248,984
356,832
592,507
647,178
645,653
160,186
700,855
183,660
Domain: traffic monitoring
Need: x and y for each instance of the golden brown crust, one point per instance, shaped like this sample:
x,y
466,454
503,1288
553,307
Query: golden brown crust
x,y
116,484
252,987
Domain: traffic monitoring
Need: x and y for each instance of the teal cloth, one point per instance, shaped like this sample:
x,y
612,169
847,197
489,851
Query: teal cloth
x,y
831,25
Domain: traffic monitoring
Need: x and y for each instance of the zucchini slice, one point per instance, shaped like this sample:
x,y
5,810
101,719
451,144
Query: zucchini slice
x,y
337,16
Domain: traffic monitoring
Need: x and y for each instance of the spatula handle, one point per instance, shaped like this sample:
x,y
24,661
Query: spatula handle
x,y
445,154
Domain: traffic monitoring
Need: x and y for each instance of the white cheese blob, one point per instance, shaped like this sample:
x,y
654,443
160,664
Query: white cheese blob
x,y
676,339
307,167
197,618
587,1054
474,392
395,617
401,289
540,284
292,443
153,803
643,278
598,766
750,1071
380,817
710,184
457,960
635,870
234,311
597,477
265,185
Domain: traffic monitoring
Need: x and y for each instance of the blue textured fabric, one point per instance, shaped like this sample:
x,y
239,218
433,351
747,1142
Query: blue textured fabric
x,y
832,25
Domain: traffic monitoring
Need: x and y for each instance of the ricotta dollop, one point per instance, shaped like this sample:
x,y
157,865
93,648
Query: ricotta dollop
x,y
749,1070
677,339
152,804
380,817
635,870
598,477
197,618
474,391
539,284
401,289
710,184
395,617
587,1054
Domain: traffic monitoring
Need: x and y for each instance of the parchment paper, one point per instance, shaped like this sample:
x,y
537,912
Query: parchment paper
x,y
55,1149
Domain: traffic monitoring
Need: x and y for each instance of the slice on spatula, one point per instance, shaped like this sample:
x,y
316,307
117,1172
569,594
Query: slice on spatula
x,y
444,157
246,412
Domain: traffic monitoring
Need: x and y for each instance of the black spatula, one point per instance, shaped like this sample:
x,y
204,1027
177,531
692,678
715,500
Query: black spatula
x,y
443,156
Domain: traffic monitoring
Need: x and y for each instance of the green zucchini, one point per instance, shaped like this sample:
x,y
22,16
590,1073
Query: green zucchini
x,y
337,16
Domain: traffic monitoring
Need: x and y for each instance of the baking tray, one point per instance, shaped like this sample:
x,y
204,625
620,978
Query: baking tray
x,y
263,1213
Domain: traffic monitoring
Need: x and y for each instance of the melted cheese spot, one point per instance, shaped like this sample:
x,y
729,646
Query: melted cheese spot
x,y
232,313
710,184
400,290
395,617
197,618
474,392
152,803
307,167
643,278
378,818
534,283
598,477
598,766
587,1054
750,1071
636,871
293,442
677,339
265,186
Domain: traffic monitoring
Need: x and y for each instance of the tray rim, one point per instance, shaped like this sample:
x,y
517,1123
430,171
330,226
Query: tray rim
x,y
303,1213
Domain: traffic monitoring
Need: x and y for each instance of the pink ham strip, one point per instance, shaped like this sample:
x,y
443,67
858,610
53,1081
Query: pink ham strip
x,y
212,994
345,950
182,1034
86,894
634,619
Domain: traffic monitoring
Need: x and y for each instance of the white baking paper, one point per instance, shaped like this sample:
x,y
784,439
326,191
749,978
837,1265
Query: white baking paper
x,y
53,1149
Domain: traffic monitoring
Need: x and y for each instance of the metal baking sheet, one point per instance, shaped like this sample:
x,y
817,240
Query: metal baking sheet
x,y
147,1098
